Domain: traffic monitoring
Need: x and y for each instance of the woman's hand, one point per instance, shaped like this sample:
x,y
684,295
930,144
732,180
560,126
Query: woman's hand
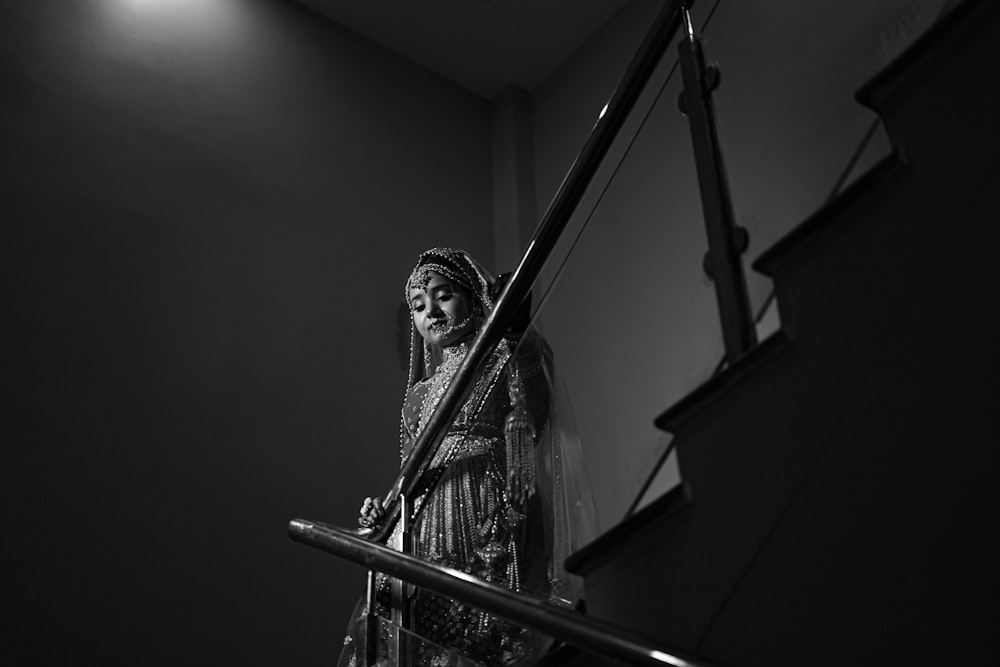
x,y
371,512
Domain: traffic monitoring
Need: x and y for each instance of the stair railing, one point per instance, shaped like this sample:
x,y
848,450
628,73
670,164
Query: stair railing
x,y
557,216
726,241
569,626
364,545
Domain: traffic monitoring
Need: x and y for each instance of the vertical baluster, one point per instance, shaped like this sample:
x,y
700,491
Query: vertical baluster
x,y
401,609
726,241
371,622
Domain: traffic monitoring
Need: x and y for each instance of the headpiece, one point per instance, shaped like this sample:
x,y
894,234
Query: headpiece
x,y
459,267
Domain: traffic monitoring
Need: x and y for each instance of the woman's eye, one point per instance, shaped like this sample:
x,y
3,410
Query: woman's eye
x,y
417,307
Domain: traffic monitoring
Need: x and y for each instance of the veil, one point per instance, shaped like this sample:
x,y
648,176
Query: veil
x,y
566,493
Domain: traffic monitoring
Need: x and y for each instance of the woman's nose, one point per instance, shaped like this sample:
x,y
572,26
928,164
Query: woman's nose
x,y
434,309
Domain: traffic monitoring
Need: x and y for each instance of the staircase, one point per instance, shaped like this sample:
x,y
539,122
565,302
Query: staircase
x,y
842,482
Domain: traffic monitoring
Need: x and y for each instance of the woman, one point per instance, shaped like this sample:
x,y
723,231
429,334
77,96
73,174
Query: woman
x,y
493,501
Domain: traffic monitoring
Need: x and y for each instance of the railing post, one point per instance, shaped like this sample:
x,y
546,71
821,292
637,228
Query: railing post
x,y
726,241
371,621
402,617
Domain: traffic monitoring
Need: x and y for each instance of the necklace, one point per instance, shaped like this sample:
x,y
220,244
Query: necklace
x,y
453,356
437,385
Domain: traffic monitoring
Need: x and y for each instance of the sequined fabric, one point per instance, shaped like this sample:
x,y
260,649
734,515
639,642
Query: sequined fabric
x,y
467,523
465,519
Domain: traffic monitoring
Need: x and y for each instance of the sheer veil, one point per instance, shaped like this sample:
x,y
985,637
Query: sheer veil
x,y
566,493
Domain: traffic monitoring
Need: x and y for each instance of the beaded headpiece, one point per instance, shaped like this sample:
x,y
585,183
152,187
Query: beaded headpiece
x,y
459,267
519,430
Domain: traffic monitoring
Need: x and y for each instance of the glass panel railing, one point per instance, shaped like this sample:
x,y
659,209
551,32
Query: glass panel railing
x,y
497,318
788,121
394,641
626,305
472,370
793,133
469,633
566,625
630,318
630,326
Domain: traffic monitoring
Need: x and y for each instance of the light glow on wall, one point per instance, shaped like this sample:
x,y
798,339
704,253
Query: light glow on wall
x,y
190,19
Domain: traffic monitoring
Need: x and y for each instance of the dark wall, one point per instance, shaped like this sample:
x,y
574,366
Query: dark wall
x,y
209,209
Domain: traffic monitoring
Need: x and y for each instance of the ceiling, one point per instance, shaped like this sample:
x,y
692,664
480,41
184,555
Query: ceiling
x,y
482,45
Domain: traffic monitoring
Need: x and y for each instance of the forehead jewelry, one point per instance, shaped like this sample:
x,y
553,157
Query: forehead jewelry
x,y
421,277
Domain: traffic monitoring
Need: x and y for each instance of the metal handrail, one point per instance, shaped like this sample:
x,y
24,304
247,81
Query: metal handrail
x,y
361,546
542,243
568,626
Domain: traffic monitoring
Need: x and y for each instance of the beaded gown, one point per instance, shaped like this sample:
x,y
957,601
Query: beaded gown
x,y
465,517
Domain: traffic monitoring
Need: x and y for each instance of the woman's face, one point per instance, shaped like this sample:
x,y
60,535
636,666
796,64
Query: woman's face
x,y
441,310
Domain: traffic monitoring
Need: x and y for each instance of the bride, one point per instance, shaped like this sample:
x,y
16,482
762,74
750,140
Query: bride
x,y
504,497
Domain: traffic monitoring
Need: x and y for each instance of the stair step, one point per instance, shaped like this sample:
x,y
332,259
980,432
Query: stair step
x,y
714,389
829,220
650,518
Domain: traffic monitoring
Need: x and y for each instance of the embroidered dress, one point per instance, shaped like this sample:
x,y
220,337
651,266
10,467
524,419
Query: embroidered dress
x,y
466,517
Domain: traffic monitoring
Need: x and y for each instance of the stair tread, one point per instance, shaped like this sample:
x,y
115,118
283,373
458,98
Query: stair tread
x,y
604,547
886,170
948,31
704,395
